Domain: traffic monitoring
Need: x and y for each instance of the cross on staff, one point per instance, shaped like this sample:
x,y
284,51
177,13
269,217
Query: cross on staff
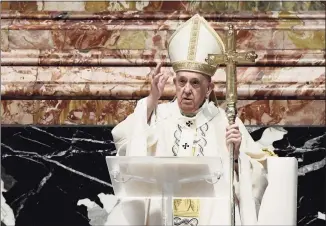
x,y
231,58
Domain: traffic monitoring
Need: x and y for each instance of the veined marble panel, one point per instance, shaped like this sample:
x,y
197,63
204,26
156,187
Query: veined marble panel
x,y
93,57
134,82
134,37
192,6
111,112
163,15
17,112
4,35
58,175
168,25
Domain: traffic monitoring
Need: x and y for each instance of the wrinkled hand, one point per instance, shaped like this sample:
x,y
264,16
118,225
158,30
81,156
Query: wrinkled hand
x,y
234,136
159,80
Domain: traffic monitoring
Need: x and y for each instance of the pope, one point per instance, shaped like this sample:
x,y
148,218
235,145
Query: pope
x,y
193,124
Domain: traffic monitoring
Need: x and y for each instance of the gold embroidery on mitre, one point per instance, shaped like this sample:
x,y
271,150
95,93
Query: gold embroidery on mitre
x,y
186,207
205,24
195,67
194,33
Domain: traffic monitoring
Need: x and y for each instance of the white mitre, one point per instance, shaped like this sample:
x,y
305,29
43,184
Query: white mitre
x,y
190,45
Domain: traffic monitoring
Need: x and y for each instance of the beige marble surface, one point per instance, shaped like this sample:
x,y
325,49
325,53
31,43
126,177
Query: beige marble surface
x,y
134,82
152,6
54,52
110,112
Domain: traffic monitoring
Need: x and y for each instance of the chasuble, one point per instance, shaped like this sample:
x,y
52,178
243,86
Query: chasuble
x,y
169,133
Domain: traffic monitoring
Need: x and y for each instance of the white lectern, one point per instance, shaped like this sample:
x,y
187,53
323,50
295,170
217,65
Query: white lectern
x,y
166,177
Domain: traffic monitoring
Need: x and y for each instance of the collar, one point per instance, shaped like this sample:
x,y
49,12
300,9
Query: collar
x,y
206,113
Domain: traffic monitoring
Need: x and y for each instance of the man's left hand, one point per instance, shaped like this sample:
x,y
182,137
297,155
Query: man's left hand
x,y
234,136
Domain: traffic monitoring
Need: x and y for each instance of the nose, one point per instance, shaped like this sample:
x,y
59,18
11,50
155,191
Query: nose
x,y
187,89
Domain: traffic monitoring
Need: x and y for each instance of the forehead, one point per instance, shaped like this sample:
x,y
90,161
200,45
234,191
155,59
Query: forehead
x,y
190,75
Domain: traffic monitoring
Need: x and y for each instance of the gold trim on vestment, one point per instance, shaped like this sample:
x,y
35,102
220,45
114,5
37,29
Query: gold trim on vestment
x,y
186,207
269,152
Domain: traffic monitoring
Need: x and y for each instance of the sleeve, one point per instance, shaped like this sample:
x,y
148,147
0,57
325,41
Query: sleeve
x,y
135,131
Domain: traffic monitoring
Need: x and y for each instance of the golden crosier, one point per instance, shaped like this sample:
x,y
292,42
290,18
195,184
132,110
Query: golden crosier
x,y
230,58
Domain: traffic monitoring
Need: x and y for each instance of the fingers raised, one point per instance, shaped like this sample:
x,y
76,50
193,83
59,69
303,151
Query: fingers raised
x,y
157,77
157,69
165,78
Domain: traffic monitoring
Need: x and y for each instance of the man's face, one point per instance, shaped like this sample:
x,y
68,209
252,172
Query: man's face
x,y
191,90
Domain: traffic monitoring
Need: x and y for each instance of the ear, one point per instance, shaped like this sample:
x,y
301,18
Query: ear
x,y
175,81
210,89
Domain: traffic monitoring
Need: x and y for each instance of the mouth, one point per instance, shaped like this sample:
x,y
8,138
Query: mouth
x,y
187,101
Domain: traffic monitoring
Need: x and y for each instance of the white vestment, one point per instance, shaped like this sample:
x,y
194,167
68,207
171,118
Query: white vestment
x,y
169,133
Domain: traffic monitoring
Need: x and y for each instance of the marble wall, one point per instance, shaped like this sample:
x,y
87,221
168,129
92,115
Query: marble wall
x,y
70,71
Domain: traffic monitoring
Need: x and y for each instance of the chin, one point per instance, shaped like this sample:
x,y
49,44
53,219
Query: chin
x,y
187,110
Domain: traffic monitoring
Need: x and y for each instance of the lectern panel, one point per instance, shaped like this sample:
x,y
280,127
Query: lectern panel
x,y
157,176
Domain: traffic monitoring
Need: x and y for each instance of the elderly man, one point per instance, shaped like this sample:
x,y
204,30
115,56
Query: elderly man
x,y
193,125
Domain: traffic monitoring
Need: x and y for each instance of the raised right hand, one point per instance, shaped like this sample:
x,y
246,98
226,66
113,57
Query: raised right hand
x,y
159,80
